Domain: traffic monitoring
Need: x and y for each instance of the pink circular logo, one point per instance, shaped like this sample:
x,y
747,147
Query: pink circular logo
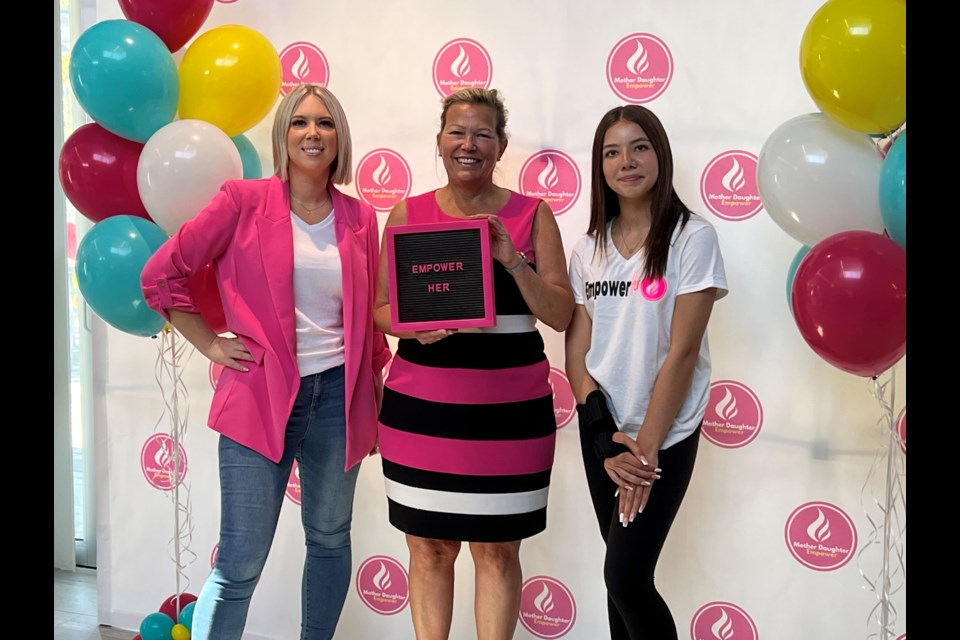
x,y
213,555
639,68
652,289
821,536
722,621
902,430
383,179
553,177
216,370
303,62
734,415
728,186
293,484
159,464
547,608
564,404
460,64
382,585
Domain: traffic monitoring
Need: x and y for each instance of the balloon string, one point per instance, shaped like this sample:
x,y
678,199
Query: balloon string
x,y
890,532
169,369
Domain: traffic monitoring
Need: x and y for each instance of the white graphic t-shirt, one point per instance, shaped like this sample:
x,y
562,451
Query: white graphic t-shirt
x,y
632,319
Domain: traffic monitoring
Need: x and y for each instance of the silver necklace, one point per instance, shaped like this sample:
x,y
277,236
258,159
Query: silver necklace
x,y
310,210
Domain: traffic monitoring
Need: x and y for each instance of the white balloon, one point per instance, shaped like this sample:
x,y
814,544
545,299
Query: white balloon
x,y
817,178
181,168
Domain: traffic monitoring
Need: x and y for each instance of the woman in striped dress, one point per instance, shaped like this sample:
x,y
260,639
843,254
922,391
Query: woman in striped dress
x,y
467,429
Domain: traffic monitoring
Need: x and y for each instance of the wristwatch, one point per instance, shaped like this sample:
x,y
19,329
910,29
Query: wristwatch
x,y
515,268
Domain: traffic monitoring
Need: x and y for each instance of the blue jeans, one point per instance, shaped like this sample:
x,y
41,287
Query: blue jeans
x,y
252,492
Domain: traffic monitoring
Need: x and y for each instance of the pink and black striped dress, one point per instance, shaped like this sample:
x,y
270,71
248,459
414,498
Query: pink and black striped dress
x,y
467,428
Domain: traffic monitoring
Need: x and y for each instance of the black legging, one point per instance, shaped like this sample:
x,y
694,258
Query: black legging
x,y
634,607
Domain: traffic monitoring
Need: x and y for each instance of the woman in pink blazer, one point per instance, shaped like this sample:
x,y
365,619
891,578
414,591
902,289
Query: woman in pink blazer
x,y
296,262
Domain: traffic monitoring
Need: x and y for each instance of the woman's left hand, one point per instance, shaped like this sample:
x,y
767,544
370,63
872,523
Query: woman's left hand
x,y
501,244
635,474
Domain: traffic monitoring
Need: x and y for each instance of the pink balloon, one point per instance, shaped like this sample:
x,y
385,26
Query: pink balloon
x,y
175,21
850,301
206,294
98,172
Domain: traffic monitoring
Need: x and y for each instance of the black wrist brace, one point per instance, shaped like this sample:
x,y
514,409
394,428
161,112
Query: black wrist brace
x,y
596,423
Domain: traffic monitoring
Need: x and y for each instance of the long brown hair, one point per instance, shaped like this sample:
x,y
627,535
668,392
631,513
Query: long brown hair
x,y
666,207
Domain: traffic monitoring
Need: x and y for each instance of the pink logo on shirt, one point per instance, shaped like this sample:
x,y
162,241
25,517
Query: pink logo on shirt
x,y
159,464
639,68
651,289
820,536
564,404
303,62
216,370
722,621
728,186
553,177
293,484
383,179
547,608
382,585
902,430
734,415
460,64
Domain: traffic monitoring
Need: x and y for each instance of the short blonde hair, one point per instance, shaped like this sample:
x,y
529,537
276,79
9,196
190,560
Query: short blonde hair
x,y
341,171
477,95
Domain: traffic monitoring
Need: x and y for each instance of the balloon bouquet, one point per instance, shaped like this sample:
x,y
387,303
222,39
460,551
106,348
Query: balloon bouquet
x,y
164,138
826,181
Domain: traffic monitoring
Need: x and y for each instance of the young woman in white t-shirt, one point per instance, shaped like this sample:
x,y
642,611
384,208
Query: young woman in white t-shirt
x,y
644,278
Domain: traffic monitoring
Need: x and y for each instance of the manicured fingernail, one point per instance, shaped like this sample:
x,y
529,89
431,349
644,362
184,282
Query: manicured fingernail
x,y
643,460
244,369
621,518
658,470
645,483
617,492
640,510
625,523
628,488
632,517
656,476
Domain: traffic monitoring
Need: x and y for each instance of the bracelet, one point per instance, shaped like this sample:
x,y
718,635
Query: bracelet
x,y
515,268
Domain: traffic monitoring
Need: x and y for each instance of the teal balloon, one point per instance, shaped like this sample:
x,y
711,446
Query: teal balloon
x,y
156,626
792,273
186,615
893,191
125,78
252,168
109,261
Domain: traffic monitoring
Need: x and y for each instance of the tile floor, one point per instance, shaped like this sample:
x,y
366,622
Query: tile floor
x,y
75,608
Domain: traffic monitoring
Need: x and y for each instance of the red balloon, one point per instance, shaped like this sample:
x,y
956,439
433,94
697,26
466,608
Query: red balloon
x,y
169,606
98,172
850,301
175,21
206,294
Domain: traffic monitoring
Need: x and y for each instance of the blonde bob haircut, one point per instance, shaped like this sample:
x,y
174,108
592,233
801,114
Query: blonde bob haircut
x,y
341,171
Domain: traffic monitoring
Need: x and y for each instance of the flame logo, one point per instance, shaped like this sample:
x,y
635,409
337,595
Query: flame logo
x,y
726,408
381,580
544,601
653,289
381,175
819,529
164,456
722,629
733,179
461,64
638,63
548,178
301,68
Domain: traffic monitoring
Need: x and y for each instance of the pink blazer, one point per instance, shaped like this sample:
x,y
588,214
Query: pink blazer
x,y
246,232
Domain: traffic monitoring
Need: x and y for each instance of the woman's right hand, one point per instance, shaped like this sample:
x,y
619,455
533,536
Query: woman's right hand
x,y
429,337
229,352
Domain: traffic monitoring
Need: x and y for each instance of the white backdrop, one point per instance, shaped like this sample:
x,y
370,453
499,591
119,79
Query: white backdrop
x,y
799,454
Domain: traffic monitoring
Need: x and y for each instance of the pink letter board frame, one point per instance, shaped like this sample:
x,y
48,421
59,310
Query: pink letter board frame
x,y
441,276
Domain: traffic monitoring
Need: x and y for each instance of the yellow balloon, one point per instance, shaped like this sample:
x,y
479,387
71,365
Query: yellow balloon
x,y
230,77
179,632
853,58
